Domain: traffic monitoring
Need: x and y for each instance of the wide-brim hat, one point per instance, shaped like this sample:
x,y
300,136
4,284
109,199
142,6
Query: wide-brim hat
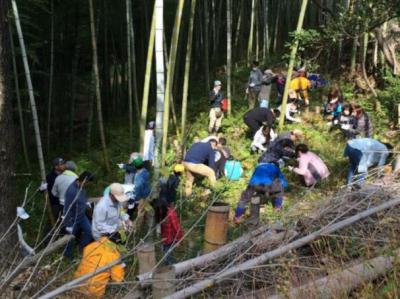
x,y
117,190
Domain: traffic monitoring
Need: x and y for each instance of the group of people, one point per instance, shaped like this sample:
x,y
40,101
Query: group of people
x,y
98,224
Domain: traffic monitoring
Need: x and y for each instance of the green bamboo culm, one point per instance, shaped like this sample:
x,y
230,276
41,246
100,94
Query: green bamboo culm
x,y
291,62
128,44
147,77
250,44
170,77
187,71
229,53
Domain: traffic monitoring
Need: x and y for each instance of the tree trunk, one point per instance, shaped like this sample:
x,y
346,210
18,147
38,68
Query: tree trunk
x,y
187,72
266,30
128,42
170,77
159,6
33,106
74,75
97,84
147,77
7,149
51,76
134,74
206,47
229,53
250,43
291,62
18,98
276,27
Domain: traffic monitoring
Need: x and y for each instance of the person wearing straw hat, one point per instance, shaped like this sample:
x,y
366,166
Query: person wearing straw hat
x,y
108,215
216,114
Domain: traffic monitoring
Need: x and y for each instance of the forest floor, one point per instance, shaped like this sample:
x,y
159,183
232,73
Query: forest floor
x,y
329,145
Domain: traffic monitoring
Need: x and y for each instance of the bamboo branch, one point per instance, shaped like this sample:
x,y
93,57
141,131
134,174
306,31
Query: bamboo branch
x,y
213,280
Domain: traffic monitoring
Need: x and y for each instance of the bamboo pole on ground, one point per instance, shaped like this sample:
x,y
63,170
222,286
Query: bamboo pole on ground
x,y
35,119
147,77
248,265
291,62
97,85
18,98
187,72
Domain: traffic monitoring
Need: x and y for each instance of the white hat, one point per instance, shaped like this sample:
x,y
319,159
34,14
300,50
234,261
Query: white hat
x,y
217,83
117,190
21,213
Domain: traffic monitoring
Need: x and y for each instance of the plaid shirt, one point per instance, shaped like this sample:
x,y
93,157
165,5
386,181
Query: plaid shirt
x,y
171,230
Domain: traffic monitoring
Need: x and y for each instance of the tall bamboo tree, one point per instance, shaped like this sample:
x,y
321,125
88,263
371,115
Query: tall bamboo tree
x,y
266,29
293,53
36,127
229,52
170,76
158,10
187,71
206,46
128,42
97,85
51,75
147,77
18,98
250,44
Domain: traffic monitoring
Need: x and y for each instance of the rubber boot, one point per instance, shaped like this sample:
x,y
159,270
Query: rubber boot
x,y
254,218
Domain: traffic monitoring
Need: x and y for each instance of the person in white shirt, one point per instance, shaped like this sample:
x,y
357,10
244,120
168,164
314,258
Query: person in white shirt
x,y
148,148
108,216
262,138
291,107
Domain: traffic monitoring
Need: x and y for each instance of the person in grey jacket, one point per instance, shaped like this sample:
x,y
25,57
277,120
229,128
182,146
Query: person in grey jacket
x,y
265,92
254,84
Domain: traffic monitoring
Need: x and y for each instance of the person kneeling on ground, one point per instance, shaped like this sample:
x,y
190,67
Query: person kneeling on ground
x,y
98,254
364,153
311,167
200,159
262,138
171,230
266,182
257,117
347,122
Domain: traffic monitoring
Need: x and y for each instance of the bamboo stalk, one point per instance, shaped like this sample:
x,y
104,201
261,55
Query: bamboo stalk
x,y
51,75
35,120
291,62
229,52
128,42
250,43
147,77
215,279
97,85
187,71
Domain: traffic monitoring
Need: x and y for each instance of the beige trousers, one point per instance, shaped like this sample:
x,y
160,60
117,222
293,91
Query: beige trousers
x,y
215,122
200,169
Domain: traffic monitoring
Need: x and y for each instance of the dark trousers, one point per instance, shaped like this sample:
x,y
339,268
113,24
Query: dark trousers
x,y
354,156
169,259
84,228
253,125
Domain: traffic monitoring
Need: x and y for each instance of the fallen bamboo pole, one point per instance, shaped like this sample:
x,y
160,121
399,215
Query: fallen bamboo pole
x,y
31,260
145,278
213,280
338,284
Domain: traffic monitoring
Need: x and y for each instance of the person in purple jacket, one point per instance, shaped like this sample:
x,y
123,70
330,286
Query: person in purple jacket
x,y
200,160
311,167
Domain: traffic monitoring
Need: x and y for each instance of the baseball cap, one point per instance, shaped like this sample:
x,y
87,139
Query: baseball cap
x,y
117,190
58,161
21,213
217,83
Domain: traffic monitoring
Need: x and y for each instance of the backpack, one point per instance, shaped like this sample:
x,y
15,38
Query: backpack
x,y
224,105
233,170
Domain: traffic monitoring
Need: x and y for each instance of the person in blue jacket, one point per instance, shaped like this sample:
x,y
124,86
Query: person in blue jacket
x,y
364,153
266,182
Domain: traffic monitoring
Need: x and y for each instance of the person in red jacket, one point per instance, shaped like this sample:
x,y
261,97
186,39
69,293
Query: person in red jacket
x,y
171,230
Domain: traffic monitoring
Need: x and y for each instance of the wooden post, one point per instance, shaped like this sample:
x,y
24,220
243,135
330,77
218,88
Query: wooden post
x,y
146,255
163,283
215,234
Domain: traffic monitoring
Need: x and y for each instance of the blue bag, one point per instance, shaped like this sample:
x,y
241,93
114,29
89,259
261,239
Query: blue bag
x,y
233,170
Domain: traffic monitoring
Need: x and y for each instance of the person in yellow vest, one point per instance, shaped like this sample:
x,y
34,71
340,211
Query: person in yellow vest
x,y
96,255
301,85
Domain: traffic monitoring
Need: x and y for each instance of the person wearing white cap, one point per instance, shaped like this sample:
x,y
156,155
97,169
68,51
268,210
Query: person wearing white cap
x,y
216,115
108,215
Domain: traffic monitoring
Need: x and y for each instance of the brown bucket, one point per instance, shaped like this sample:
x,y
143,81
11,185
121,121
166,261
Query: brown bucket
x,y
215,234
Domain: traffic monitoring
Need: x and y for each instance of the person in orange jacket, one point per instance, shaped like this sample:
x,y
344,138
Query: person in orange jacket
x,y
96,255
301,85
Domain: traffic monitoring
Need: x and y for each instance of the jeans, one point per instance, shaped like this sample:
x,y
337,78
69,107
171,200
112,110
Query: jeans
x,y
169,259
83,227
354,156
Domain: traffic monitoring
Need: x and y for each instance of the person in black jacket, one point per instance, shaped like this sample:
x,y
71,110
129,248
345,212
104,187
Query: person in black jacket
x,y
257,117
216,96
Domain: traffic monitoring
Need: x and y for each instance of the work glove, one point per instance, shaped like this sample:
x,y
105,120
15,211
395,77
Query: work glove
x,y
120,165
69,229
43,186
290,168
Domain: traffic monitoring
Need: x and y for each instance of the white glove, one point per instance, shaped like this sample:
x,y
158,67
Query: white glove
x,y
252,84
131,206
290,168
120,165
69,229
43,186
335,122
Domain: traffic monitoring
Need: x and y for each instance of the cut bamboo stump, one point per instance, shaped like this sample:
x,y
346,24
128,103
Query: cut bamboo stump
x,y
215,234
396,165
147,257
164,282
318,110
